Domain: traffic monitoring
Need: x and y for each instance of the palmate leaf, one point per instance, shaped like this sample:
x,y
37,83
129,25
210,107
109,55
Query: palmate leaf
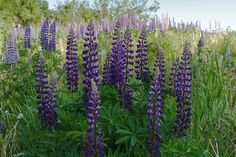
x,y
122,140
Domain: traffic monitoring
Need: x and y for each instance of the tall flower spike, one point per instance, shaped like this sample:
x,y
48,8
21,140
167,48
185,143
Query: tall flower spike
x,y
183,93
201,41
50,112
11,55
142,58
44,34
106,71
42,88
160,64
126,66
174,76
52,37
94,145
90,58
154,113
116,56
72,62
27,37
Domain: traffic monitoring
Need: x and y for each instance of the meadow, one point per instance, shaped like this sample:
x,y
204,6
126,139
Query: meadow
x,y
61,96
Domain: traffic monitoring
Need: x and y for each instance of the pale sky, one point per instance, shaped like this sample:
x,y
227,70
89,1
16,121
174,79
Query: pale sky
x,y
223,11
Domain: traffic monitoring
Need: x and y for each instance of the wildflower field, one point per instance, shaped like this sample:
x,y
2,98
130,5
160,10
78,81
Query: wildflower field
x,y
120,86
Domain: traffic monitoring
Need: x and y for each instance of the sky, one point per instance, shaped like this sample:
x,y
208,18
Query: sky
x,y
223,11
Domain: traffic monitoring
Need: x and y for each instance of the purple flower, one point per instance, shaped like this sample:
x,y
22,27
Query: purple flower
x,y
116,56
90,58
27,37
183,93
11,55
52,37
44,34
154,114
142,58
174,76
106,71
228,52
133,21
94,145
72,62
160,65
126,67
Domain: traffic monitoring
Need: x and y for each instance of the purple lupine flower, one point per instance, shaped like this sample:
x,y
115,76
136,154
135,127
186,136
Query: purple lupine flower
x,y
81,28
183,93
126,66
94,145
154,114
90,58
134,21
160,64
174,76
50,112
11,55
106,71
228,52
116,56
123,21
42,87
52,37
72,62
27,37
44,34
142,58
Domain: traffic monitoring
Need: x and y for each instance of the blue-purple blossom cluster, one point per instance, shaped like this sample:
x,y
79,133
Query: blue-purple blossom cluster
x,y
154,113
183,93
142,58
90,58
72,62
48,35
11,55
94,145
126,70
27,37
46,96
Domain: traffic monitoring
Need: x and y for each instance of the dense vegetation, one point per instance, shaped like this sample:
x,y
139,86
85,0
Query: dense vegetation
x,y
107,80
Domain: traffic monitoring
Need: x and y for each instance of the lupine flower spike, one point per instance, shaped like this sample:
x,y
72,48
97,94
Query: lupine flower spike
x,y
27,37
44,34
154,114
126,66
142,58
72,62
52,37
94,145
90,58
11,55
183,93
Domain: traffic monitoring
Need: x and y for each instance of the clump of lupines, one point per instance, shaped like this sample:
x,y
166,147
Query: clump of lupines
x,y
46,96
44,34
142,58
126,67
154,113
11,55
72,62
116,56
94,145
160,65
174,76
52,37
90,58
27,37
183,93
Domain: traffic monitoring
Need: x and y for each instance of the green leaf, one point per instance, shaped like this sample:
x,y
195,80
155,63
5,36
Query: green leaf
x,y
122,140
122,131
133,140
